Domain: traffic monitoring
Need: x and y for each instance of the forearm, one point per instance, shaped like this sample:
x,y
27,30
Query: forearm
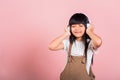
x,y
97,41
56,42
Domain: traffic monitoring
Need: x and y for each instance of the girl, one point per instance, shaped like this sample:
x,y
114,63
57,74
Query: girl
x,y
81,45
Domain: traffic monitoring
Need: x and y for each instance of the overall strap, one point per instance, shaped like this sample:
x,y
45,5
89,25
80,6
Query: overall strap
x,y
69,54
69,51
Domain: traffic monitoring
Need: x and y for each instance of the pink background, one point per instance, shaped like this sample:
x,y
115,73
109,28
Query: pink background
x,y
28,26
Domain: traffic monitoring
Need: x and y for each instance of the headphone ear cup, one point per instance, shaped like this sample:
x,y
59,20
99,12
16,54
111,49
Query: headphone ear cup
x,y
88,25
68,28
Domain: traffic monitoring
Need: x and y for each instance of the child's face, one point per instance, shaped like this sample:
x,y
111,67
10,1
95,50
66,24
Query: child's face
x,y
78,30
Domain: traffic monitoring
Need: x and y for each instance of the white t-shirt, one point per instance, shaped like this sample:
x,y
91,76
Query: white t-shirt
x,y
78,50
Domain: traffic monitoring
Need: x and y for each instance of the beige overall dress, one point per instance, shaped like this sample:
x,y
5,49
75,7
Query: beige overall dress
x,y
75,68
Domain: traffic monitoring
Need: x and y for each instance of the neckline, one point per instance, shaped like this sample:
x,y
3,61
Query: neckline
x,y
79,41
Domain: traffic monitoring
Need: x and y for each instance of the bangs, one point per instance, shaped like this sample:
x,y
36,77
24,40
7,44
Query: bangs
x,y
74,21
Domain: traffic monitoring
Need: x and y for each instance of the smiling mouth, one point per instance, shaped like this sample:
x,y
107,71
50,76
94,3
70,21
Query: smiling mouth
x,y
77,32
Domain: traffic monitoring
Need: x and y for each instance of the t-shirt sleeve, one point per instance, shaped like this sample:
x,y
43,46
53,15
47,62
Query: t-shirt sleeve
x,y
66,44
92,48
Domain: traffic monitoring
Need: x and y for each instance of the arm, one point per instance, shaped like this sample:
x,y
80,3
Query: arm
x,y
57,43
97,41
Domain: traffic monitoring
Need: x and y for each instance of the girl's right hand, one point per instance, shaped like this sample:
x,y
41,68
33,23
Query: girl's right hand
x,y
67,31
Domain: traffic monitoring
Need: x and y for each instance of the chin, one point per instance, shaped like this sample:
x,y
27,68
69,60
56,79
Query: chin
x,y
78,36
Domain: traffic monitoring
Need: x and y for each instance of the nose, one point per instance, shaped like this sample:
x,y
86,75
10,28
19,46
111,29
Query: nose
x,y
77,27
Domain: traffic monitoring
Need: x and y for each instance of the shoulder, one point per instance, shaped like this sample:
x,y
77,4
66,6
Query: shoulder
x,y
90,47
66,43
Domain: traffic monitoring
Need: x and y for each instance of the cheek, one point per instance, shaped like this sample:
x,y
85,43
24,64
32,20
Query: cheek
x,y
83,29
72,29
